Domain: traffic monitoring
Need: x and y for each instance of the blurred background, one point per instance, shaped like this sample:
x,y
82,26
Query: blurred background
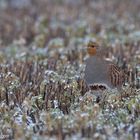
x,y
28,18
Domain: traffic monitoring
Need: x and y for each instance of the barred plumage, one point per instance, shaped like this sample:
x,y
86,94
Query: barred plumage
x,y
116,76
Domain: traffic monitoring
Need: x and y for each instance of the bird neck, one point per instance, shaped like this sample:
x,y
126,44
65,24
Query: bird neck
x,y
99,55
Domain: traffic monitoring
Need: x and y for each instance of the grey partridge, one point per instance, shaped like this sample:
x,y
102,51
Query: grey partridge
x,y
100,73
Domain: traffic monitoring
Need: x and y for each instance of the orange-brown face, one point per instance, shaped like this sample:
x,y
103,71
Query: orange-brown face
x,y
92,48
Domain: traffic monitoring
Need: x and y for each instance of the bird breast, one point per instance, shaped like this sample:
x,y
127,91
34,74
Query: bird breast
x,y
97,72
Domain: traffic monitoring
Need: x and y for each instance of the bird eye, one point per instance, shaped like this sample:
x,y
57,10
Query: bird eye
x,y
91,44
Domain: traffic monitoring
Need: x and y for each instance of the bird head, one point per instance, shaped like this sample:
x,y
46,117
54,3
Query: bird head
x,y
93,48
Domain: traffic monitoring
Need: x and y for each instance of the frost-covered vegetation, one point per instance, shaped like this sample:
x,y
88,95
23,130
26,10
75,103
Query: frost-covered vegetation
x,y
42,53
